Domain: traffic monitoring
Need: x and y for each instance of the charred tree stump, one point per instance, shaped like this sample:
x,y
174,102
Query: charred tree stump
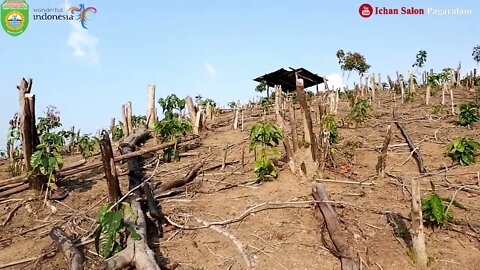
x,y
344,250
114,192
71,253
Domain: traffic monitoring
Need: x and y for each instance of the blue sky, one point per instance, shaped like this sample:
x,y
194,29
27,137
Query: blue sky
x,y
212,47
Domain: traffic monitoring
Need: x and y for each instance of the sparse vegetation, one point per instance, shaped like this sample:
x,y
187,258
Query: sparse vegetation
x,y
263,140
360,110
46,159
111,235
171,127
330,126
469,113
463,151
435,213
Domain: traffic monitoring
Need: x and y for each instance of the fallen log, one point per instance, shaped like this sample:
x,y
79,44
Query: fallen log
x,y
185,180
344,249
415,151
71,253
137,253
14,190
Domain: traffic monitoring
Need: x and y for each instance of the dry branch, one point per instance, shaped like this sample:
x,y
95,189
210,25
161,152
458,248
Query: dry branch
x,y
185,180
71,253
15,190
344,249
240,246
416,152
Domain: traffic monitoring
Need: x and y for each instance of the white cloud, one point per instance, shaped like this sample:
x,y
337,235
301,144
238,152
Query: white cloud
x,y
83,43
210,69
334,80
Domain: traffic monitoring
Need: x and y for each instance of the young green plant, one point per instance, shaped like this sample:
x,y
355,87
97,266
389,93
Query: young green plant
x,y
113,230
463,151
264,137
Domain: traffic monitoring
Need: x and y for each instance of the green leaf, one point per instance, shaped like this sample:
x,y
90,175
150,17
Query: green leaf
x,y
129,209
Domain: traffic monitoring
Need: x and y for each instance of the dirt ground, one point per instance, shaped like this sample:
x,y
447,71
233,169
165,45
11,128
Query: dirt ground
x,y
286,238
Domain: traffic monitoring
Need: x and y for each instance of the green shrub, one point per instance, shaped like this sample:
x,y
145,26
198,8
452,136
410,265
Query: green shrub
x,y
463,151
263,140
360,110
469,113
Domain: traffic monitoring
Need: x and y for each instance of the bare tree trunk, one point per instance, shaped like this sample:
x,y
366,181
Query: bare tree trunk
x,y
382,158
112,125
451,99
191,109
151,111
427,96
308,119
129,118
418,236
124,120
114,192
411,84
444,89
293,126
198,122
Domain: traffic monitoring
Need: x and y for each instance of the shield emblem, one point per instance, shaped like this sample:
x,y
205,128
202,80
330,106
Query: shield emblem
x,y
14,16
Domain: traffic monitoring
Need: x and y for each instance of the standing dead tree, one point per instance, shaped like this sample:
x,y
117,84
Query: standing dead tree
x,y
344,250
382,158
302,99
418,235
28,129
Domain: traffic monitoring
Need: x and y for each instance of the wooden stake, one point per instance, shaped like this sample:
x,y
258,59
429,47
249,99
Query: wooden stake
x,y
427,96
293,126
411,84
382,158
444,89
124,120
224,160
112,125
129,118
236,117
198,122
114,192
418,236
151,111
451,99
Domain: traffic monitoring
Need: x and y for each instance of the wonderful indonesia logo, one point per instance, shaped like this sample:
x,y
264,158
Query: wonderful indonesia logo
x,y
14,15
